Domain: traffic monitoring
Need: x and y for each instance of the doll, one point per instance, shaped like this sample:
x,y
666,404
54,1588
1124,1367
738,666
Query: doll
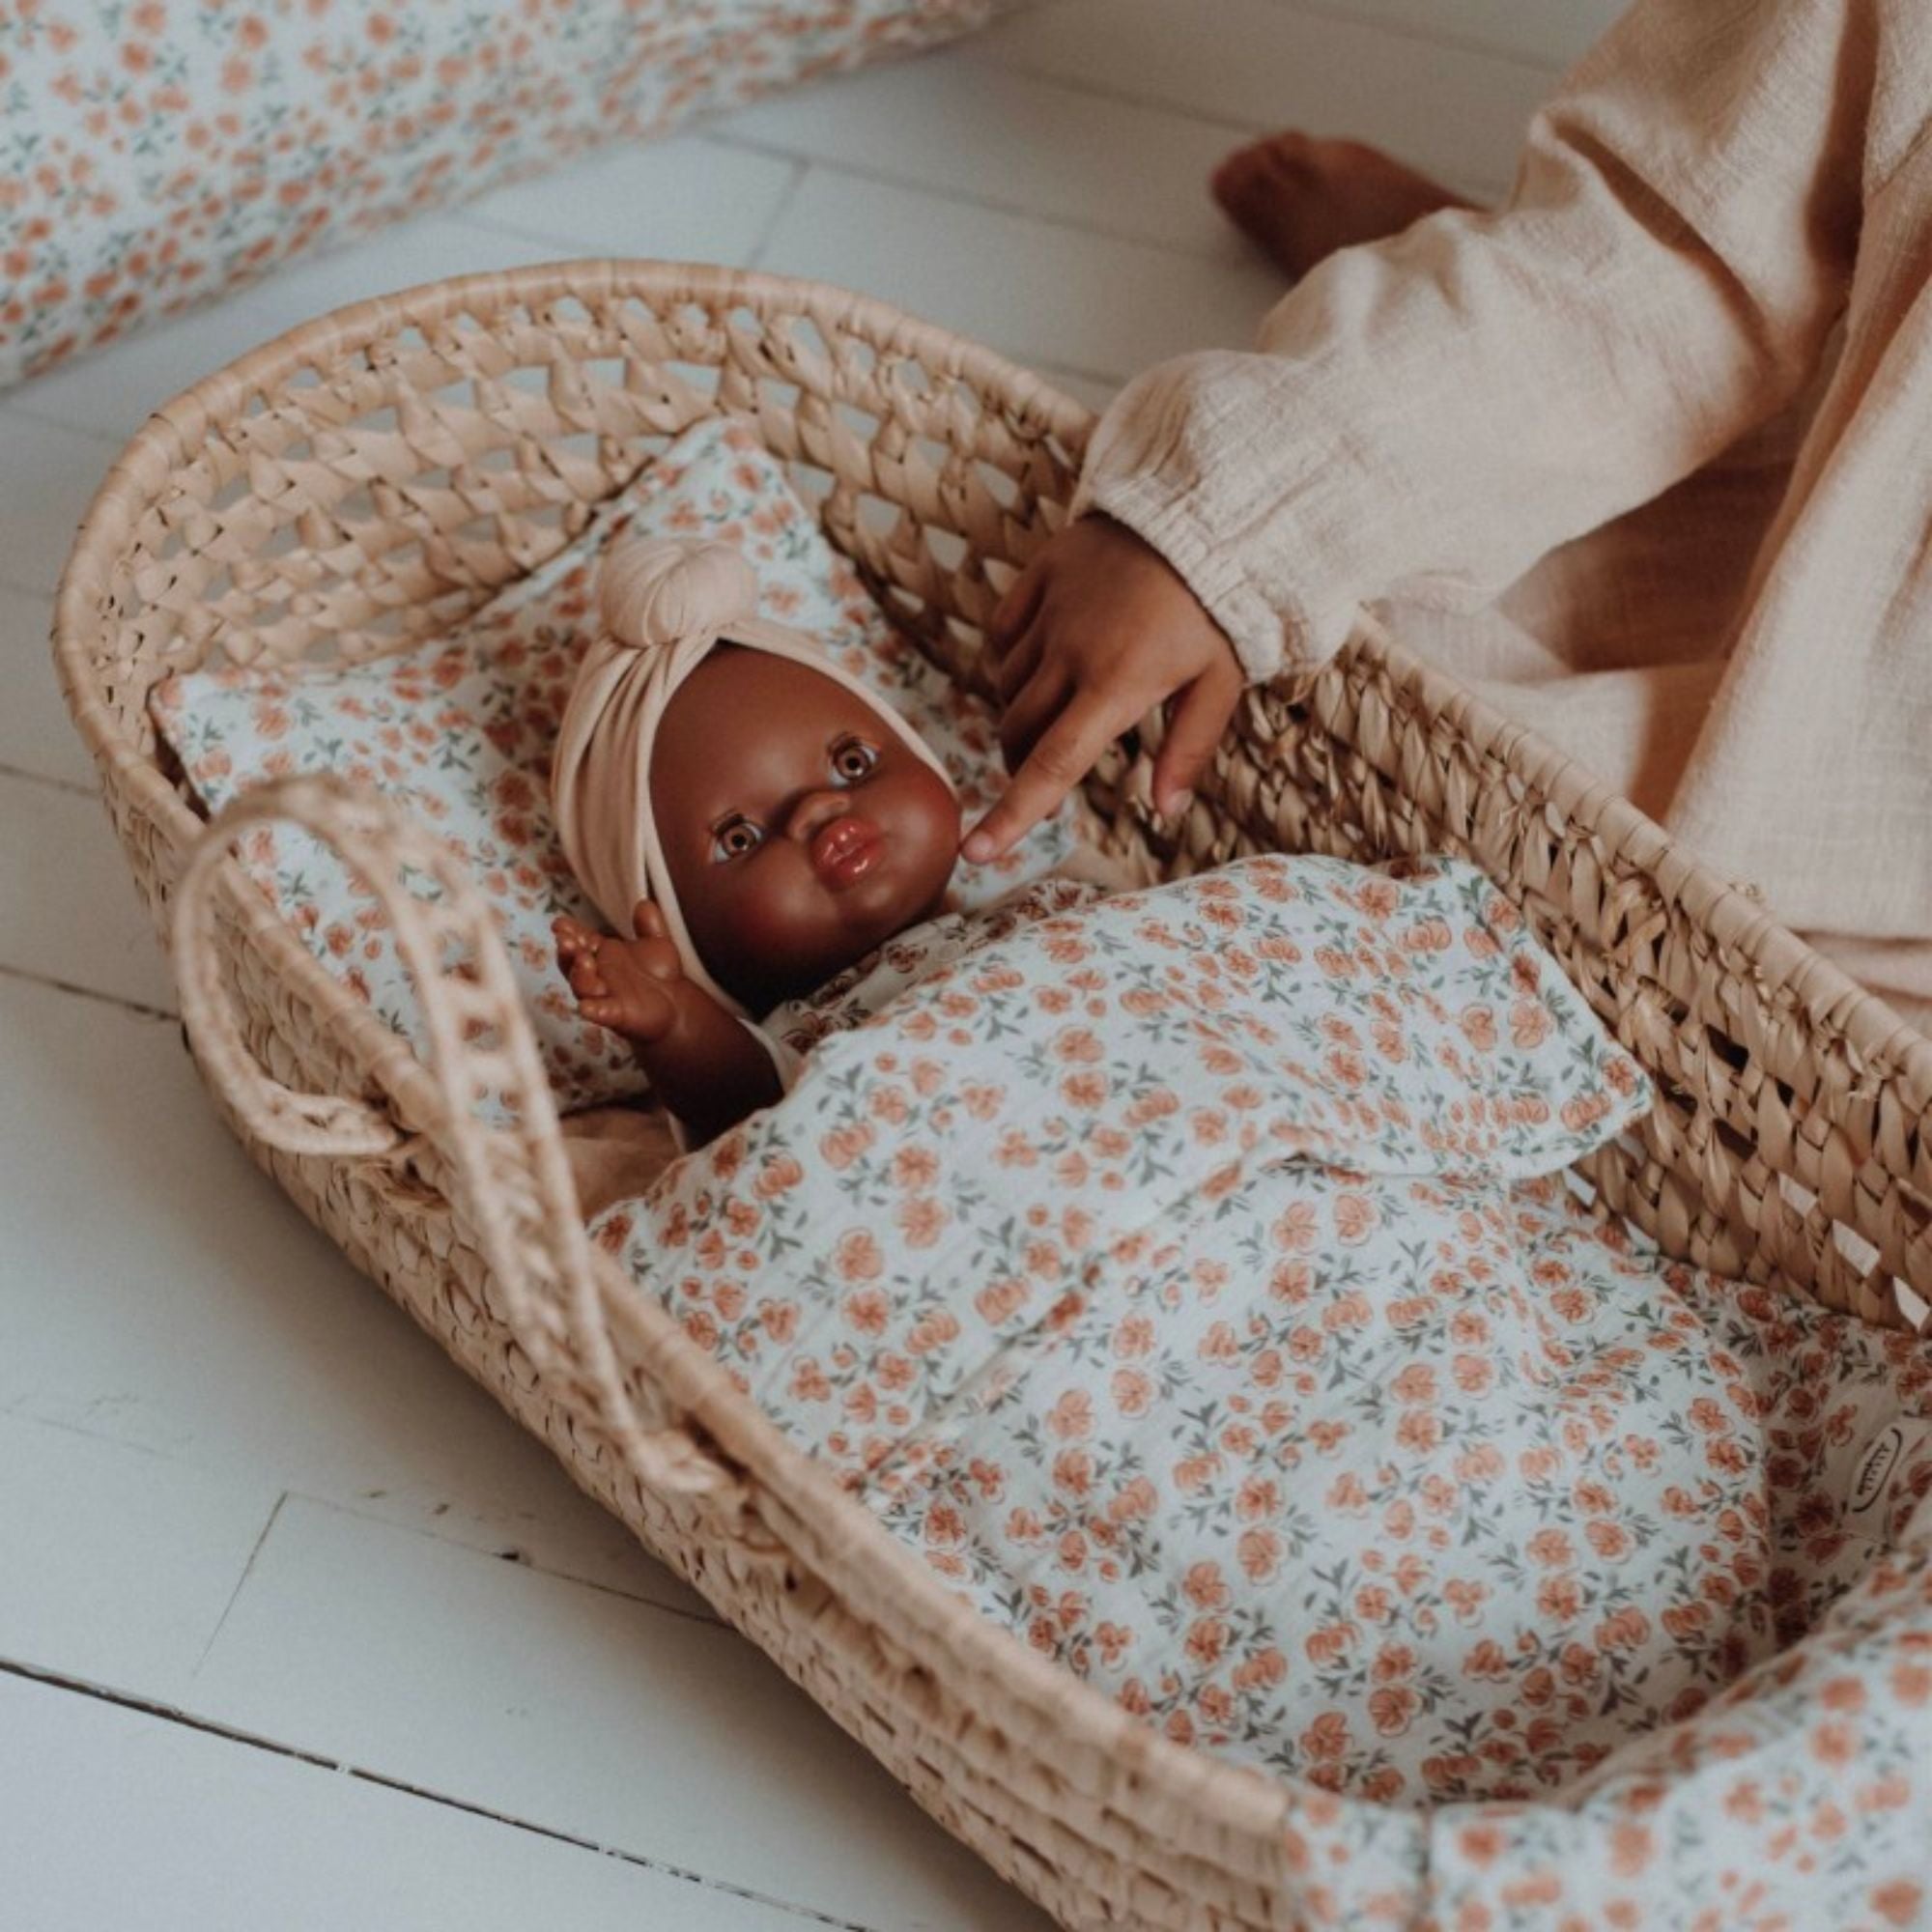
x,y
756,819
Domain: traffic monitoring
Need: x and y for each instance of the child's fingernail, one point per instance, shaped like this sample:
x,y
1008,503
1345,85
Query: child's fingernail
x,y
1177,802
978,847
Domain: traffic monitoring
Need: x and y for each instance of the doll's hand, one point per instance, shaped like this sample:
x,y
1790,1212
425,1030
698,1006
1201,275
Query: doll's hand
x,y
630,985
1095,632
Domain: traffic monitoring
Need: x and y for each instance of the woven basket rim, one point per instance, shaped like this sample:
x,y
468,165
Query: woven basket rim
x,y
1734,914
1824,989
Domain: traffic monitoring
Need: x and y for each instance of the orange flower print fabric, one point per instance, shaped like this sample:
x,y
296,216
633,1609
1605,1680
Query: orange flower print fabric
x,y
154,153
794,1027
962,1166
1188,1277
1459,1540
461,732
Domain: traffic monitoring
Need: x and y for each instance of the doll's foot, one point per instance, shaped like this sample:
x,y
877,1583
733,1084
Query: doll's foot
x,y
1300,199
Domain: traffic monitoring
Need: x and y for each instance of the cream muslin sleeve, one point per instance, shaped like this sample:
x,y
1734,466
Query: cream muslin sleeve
x,y
1453,403
1725,210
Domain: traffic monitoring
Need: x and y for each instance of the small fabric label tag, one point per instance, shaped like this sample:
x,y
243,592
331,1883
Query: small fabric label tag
x,y
1880,1462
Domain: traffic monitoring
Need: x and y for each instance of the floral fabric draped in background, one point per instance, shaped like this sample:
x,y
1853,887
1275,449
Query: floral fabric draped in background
x,y
153,153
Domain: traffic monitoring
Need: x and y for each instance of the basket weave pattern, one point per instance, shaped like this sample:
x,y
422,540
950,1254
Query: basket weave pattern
x,y
367,481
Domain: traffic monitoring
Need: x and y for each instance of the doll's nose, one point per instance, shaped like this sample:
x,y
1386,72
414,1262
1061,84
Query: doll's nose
x,y
813,812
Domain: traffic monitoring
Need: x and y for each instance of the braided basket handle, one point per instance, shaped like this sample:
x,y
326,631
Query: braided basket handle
x,y
306,1123
511,1178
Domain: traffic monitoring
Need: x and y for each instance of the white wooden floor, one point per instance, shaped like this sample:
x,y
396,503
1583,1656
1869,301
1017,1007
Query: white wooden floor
x,y
295,1628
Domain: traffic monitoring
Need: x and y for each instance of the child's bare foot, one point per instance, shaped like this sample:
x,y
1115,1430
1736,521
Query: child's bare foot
x,y
1299,199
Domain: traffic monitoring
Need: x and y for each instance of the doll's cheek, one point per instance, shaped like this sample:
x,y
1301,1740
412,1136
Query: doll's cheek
x,y
940,824
771,908
921,804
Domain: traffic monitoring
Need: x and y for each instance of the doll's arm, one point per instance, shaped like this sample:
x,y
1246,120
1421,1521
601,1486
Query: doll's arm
x,y
706,1066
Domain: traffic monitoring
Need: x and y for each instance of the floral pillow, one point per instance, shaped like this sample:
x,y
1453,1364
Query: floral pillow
x,y
460,731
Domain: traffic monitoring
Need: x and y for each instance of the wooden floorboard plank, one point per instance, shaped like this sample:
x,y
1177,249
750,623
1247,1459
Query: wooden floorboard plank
x,y
533,1696
158,1291
112,1816
1454,112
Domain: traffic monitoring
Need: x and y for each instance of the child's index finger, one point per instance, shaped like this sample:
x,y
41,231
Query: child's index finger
x,y
1066,750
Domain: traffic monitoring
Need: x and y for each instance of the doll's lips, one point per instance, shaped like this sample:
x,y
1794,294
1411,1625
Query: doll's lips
x,y
845,851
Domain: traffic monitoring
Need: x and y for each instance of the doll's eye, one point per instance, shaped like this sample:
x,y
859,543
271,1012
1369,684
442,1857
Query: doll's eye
x,y
853,758
735,837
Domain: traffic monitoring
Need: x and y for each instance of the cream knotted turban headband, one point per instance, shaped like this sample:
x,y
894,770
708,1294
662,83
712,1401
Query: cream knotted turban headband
x,y
665,601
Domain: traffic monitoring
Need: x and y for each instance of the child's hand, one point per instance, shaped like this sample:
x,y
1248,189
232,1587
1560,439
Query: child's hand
x,y
630,985
1095,632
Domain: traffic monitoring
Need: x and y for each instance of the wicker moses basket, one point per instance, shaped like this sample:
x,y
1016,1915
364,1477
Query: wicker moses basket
x,y
364,481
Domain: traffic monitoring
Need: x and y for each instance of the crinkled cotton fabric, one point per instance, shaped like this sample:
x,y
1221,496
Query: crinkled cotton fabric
x,y
1708,294
869,985
1448,1504
460,731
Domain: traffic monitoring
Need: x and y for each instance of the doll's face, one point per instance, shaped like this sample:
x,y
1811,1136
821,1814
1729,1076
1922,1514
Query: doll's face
x,y
799,829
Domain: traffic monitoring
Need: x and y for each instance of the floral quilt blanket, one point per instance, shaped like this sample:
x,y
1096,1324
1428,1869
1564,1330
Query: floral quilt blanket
x,y
1190,1277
